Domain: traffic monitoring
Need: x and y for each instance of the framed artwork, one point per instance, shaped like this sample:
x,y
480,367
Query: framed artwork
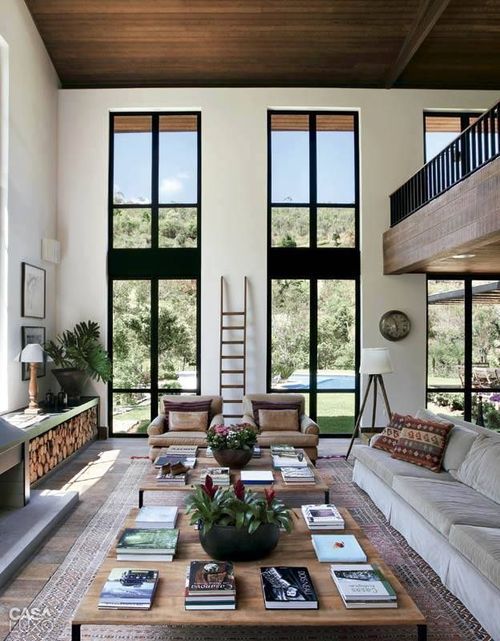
x,y
33,291
32,335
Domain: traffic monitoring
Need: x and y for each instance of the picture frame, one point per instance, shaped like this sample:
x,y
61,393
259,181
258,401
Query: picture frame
x,y
32,335
33,291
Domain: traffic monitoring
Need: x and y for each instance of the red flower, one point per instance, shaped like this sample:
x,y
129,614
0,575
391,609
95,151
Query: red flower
x,y
208,487
270,494
239,490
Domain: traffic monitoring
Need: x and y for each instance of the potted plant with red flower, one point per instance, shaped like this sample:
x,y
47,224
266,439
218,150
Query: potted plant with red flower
x,y
232,445
235,523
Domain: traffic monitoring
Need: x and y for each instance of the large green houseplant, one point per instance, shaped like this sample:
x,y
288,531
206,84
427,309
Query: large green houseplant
x,y
79,355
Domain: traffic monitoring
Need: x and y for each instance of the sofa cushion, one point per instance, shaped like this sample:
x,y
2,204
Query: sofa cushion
x,y
178,438
422,442
187,421
481,546
266,439
446,503
387,439
185,406
270,420
273,405
459,443
387,468
481,467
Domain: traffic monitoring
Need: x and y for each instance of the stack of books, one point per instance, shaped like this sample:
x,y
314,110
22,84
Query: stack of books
x,y
147,544
210,585
182,450
288,588
287,456
363,585
172,459
220,475
338,548
295,475
283,448
322,517
172,479
129,589
156,516
257,477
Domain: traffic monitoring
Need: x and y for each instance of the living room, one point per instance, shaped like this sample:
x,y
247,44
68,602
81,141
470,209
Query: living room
x,y
60,171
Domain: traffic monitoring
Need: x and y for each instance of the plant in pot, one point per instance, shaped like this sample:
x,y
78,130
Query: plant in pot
x,y
232,445
79,355
236,524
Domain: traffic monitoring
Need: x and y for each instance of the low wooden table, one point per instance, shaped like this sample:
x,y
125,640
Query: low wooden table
x,y
150,484
293,549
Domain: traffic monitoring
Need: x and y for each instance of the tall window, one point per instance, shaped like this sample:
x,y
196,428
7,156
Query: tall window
x,y
153,263
313,262
463,360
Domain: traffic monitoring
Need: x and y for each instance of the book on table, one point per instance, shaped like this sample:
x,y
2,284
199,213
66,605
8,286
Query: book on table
x,y
338,548
363,585
322,517
147,544
288,588
156,516
219,475
298,475
210,585
182,450
129,589
171,479
257,477
172,459
280,448
284,460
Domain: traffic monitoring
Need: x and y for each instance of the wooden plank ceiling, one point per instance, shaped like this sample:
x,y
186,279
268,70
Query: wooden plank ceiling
x,y
327,43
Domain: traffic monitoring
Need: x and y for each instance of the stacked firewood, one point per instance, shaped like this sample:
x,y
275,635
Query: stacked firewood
x,y
52,447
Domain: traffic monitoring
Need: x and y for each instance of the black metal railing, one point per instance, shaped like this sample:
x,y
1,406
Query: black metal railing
x,y
473,148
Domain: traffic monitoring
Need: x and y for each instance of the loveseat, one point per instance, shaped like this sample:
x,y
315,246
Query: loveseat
x,y
450,518
304,434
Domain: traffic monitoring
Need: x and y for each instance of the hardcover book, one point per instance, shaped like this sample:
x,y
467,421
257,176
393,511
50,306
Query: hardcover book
x,y
156,516
362,582
257,477
158,540
183,450
340,548
289,588
210,578
219,475
129,589
325,513
163,459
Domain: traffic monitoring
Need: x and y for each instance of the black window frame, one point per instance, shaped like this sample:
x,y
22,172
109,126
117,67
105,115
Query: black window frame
x,y
464,123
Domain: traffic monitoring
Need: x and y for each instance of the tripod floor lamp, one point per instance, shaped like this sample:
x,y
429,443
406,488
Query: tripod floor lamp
x,y
375,361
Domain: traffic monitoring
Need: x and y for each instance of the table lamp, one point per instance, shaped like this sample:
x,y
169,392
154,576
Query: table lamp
x,y
375,361
33,354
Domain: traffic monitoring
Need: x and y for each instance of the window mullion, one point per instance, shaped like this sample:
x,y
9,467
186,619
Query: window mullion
x,y
155,151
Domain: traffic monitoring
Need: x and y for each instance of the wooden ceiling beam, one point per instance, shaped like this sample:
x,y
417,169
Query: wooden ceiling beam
x,y
428,14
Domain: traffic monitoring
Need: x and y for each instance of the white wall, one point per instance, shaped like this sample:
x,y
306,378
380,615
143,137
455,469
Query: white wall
x,y
29,173
234,184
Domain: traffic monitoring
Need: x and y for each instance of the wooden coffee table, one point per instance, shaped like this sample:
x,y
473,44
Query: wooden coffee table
x,y
150,484
168,605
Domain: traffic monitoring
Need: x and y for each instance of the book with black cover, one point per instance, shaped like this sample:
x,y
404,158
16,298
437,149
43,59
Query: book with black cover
x,y
211,578
164,459
289,588
129,589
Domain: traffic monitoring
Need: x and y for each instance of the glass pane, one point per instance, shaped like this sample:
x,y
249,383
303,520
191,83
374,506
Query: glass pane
x,y
451,403
336,413
486,410
132,159
131,413
290,227
178,162
336,334
131,333
290,334
335,158
290,158
178,227
445,361
440,131
177,366
486,334
336,227
131,228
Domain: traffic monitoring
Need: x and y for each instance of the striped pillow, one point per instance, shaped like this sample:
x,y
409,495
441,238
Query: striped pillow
x,y
389,437
270,405
422,443
186,406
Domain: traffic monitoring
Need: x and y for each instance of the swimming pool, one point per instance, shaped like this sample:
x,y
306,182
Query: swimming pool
x,y
325,381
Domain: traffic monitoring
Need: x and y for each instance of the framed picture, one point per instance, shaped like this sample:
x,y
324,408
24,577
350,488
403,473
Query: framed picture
x,y
32,335
33,291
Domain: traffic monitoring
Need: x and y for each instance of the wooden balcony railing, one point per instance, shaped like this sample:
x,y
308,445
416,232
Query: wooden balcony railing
x,y
473,148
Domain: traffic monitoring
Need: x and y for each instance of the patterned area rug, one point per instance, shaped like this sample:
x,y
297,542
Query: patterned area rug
x,y
447,618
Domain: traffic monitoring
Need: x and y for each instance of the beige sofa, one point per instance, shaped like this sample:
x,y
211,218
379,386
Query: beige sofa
x,y
158,438
451,518
307,435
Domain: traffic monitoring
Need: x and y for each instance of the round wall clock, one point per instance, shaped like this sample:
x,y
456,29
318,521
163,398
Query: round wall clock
x,y
394,325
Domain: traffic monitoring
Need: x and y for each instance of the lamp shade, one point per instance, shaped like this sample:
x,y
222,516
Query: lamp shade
x,y
375,360
33,353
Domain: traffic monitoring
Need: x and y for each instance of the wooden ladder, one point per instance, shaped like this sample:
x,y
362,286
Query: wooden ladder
x,y
235,337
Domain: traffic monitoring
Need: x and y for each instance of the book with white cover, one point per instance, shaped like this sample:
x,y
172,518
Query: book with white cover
x,y
362,582
257,477
288,461
321,513
340,548
186,450
156,516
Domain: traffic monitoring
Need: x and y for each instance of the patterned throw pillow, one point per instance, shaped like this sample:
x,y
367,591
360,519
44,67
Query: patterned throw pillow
x,y
389,437
187,421
422,443
270,405
278,420
186,406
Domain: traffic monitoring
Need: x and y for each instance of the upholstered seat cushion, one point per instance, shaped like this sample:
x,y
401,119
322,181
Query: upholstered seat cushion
x,y
481,467
447,503
292,437
481,546
178,438
387,468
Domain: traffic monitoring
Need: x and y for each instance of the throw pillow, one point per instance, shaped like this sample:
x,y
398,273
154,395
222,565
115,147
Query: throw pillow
x,y
481,467
188,421
273,405
184,406
422,443
387,439
276,420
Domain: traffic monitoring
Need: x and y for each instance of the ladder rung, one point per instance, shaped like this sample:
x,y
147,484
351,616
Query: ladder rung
x,y
233,313
232,386
233,357
232,400
232,371
232,342
233,327
232,415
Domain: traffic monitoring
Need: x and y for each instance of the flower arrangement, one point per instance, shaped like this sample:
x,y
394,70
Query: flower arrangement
x,y
236,506
232,437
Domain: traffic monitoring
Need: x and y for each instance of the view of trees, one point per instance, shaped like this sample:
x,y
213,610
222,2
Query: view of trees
x,y
290,227
177,227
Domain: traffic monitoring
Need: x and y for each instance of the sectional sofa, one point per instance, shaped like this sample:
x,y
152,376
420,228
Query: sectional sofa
x,y
450,518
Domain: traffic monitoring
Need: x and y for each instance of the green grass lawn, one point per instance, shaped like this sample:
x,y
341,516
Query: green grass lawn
x,y
140,413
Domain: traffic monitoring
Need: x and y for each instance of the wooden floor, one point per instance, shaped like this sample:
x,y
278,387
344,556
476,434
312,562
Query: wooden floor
x,y
93,473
